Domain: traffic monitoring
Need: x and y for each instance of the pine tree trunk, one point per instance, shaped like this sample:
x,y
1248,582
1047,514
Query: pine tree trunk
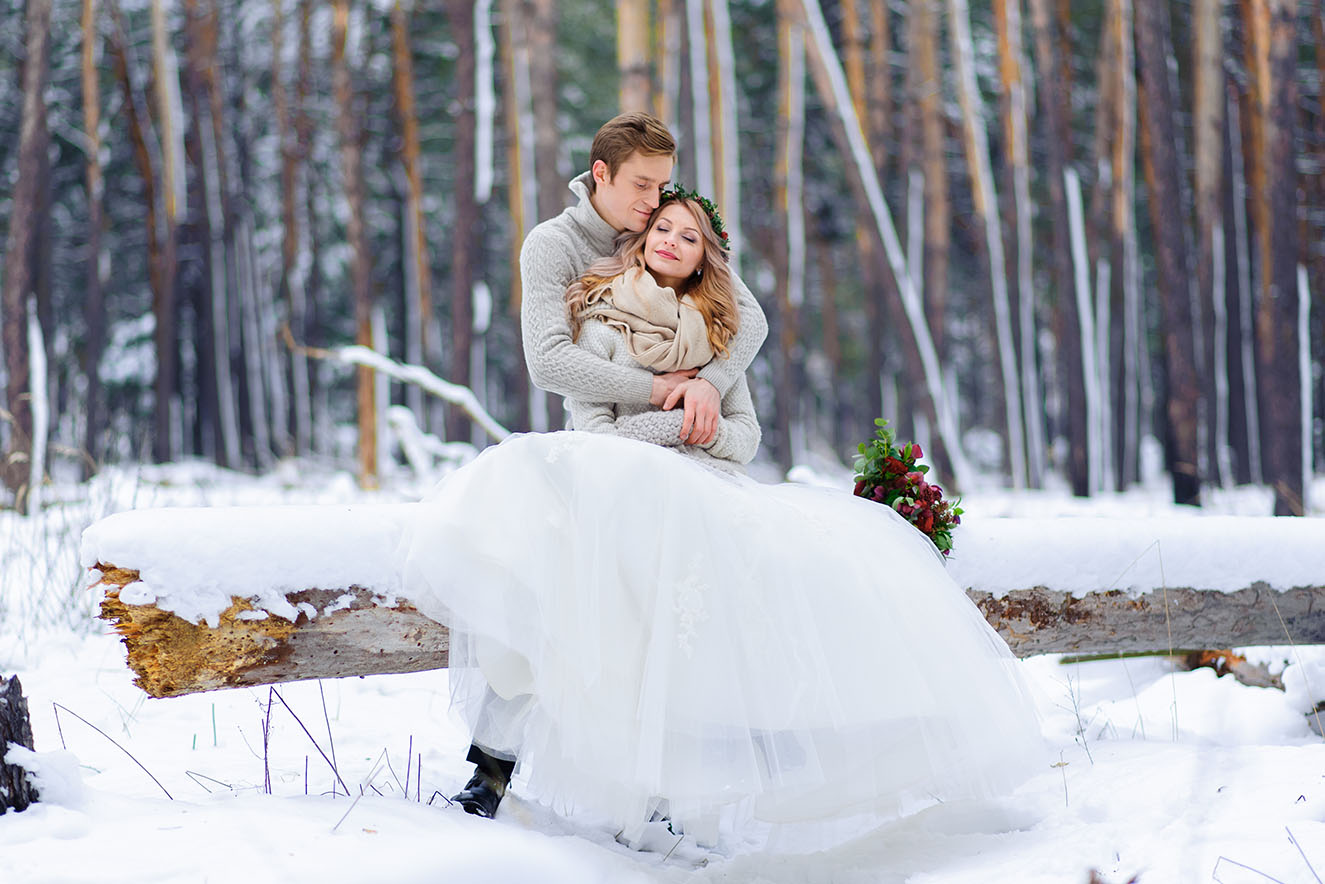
x,y
94,305
1012,67
636,90
787,200
521,190
352,169
986,210
928,98
418,273
19,273
1067,324
1208,132
1277,314
464,238
552,192
1161,169
163,301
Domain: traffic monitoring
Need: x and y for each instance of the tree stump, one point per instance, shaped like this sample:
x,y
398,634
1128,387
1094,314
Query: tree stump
x,y
15,791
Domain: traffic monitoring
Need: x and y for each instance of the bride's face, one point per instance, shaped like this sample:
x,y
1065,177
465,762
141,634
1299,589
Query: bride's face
x,y
673,247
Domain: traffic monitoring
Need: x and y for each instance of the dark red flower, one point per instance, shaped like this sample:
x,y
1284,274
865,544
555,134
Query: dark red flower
x,y
860,486
915,478
915,450
925,519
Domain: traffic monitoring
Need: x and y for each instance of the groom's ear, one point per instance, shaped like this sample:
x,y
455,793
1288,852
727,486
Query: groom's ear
x,y
600,173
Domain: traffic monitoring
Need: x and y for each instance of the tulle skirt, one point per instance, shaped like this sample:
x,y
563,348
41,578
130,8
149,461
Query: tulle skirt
x,y
636,627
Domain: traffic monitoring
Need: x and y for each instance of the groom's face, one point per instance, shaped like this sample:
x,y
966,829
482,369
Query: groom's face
x,y
627,199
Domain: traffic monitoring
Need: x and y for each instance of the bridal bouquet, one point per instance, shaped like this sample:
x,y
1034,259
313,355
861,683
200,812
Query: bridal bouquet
x,y
890,475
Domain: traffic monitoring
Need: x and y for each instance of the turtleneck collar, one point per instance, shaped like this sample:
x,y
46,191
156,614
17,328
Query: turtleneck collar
x,y
598,232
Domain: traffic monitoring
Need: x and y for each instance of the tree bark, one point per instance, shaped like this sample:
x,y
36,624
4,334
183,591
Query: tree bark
x,y
16,793
1067,324
522,183
19,272
1012,65
1277,313
464,238
985,198
789,259
166,82
94,306
418,273
361,274
1183,391
928,97
1208,137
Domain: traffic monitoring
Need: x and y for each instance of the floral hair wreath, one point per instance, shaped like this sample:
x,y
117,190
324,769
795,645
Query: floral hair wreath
x,y
678,192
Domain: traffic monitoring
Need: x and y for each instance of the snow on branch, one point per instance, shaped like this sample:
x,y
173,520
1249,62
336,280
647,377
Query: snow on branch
x,y
456,394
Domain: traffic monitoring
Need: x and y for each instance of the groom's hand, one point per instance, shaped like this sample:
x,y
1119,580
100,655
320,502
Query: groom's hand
x,y
703,406
664,387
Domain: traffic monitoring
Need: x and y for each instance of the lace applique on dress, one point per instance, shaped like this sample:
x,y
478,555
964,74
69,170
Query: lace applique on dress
x,y
688,603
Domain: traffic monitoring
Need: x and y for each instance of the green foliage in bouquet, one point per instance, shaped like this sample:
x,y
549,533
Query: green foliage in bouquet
x,y
890,475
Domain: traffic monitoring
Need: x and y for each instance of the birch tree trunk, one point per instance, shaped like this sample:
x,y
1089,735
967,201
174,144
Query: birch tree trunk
x,y
1162,171
986,210
94,306
464,239
19,274
1067,324
636,89
667,98
361,269
1277,322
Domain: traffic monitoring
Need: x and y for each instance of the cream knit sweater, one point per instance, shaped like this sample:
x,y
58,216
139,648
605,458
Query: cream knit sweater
x,y
557,252
738,434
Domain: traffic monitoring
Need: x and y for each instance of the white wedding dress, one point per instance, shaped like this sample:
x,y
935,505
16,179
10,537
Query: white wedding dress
x,y
653,629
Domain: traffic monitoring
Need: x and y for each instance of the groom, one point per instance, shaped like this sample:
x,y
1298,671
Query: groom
x,y
630,162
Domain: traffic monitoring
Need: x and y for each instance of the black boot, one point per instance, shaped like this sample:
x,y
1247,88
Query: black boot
x,y
487,786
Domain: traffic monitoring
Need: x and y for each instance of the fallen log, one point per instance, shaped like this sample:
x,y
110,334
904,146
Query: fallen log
x,y
336,634
1093,596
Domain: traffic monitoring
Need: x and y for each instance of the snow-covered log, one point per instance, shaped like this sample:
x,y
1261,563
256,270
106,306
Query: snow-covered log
x,y
210,598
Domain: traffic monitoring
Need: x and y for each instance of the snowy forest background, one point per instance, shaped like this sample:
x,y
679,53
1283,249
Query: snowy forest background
x,y
1035,235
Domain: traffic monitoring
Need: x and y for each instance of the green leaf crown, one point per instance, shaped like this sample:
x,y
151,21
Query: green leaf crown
x,y
679,192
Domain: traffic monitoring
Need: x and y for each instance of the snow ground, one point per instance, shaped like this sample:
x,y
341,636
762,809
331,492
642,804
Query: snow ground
x,y
1167,776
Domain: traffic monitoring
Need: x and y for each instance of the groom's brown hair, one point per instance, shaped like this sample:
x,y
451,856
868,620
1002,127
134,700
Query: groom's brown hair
x,y
629,133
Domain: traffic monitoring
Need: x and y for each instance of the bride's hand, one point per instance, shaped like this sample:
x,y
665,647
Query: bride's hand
x,y
664,387
703,407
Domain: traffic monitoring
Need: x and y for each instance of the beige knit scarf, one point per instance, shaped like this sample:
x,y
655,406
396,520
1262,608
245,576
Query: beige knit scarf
x,y
663,332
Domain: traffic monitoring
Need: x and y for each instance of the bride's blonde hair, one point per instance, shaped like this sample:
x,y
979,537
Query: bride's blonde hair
x,y
709,288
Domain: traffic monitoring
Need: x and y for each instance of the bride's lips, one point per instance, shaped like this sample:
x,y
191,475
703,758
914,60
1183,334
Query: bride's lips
x,y
666,254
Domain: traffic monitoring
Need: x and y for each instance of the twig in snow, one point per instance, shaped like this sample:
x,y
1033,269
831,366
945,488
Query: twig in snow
x,y
409,757
330,742
195,776
329,762
266,743
1310,867
58,707
1062,767
679,839
367,781
1223,859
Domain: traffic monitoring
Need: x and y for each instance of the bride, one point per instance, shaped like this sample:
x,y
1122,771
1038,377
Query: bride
x,y
661,635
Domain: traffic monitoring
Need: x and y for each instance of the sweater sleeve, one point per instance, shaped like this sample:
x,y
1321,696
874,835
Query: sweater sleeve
x,y
555,363
738,434
741,349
